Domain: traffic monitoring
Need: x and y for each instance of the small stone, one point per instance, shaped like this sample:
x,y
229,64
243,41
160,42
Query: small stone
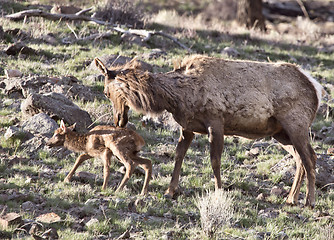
x,y
231,52
276,191
85,176
28,205
92,221
50,234
10,219
48,218
254,151
261,197
11,73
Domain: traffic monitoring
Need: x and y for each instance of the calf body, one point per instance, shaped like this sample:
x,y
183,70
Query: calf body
x,y
223,97
102,142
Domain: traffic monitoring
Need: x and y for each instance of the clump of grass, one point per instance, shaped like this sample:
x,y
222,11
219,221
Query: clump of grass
x,y
216,210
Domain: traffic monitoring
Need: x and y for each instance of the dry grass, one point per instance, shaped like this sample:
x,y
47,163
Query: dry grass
x,y
216,211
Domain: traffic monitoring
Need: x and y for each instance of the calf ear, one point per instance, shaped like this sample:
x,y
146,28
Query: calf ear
x,y
104,70
99,64
62,125
72,127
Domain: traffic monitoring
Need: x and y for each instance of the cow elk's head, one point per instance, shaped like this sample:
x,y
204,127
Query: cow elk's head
x,y
111,91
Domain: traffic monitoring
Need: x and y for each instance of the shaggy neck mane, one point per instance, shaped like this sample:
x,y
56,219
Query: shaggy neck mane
x,y
146,92
75,142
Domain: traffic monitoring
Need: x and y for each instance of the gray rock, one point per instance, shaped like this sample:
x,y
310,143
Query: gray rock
x,y
15,132
40,123
231,52
67,85
33,146
92,221
28,205
57,106
117,60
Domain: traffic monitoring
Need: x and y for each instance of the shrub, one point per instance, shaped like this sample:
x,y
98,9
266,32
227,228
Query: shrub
x,y
121,12
216,210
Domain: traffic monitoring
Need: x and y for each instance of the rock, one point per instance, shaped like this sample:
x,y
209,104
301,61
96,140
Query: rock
x,y
11,73
57,106
268,213
40,123
91,222
15,132
28,205
261,197
20,48
125,235
276,191
10,219
17,159
48,218
254,152
164,120
60,9
154,54
67,85
324,171
117,60
50,38
2,33
231,52
85,176
33,145
50,234
93,201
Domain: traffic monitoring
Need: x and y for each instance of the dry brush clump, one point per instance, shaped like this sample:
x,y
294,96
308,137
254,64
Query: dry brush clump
x,y
216,210
121,12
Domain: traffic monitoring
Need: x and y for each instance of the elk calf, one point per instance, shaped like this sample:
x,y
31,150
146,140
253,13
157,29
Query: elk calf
x,y
104,141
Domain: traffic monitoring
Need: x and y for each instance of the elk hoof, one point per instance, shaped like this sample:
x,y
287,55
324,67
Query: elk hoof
x,y
67,180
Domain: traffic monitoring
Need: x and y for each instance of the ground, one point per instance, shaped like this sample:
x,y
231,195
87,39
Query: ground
x,y
257,174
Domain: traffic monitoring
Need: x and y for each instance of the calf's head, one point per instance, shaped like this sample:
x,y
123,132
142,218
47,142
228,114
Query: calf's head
x,y
112,90
58,138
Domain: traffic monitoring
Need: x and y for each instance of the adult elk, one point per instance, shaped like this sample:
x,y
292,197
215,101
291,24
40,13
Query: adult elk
x,y
223,97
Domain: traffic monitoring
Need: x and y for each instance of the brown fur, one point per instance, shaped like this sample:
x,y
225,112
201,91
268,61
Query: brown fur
x,y
103,141
223,97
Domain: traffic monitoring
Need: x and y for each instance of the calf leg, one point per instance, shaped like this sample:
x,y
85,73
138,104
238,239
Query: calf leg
x,y
130,167
106,157
147,166
77,163
181,149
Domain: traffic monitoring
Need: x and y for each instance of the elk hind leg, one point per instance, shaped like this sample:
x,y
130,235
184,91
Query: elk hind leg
x,y
106,157
145,164
303,151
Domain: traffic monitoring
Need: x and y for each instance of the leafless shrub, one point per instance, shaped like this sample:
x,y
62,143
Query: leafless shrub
x,y
326,232
121,12
216,210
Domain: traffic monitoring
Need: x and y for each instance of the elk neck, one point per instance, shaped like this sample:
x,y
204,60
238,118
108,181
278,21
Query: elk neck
x,y
75,142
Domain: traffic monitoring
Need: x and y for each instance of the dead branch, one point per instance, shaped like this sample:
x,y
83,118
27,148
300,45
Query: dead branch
x,y
79,17
302,6
147,35
54,16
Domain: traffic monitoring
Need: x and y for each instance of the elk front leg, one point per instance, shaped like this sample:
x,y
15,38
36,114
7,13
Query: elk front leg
x,y
216,139
77,163
181,149
107,154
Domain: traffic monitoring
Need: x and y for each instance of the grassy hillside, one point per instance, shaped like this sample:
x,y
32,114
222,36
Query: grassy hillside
x,y
256,175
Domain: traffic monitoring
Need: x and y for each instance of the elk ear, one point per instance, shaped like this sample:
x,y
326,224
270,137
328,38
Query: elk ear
x,y
62,125
104,70
99,64
72,127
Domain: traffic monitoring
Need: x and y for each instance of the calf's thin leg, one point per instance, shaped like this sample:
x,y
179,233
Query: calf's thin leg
x,y
130,168
106,157
78,162
145,164
181,149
